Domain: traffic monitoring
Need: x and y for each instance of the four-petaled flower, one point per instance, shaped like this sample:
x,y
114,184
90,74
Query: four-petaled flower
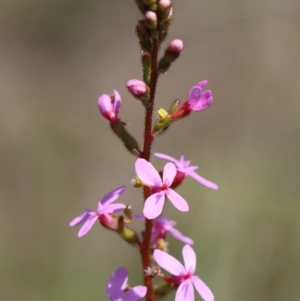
x,y
103,213
162,226
109,106
184,169
160,188
117,283
198,100
184,275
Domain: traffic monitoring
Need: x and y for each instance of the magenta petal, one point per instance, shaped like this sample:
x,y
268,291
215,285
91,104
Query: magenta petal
x,y
135,294
194,96
177,200
117,102
189,258
168,262
113,195
87,226
147,173
79,219
204,102
203,181
185,292
166,157
202,84
169,173
154,205
104,104
116,283
203,290
178,235
112,208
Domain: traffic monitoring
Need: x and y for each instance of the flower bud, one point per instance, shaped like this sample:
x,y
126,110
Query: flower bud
x,y
174,49
164,5
151,19
137,88
142,30
172,52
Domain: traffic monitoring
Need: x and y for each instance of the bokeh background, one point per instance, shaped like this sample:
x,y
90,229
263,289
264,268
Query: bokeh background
x,y
58,155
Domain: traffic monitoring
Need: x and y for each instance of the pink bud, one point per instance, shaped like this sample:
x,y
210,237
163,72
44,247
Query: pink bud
x,y
175,47
151,19
164,4
136,87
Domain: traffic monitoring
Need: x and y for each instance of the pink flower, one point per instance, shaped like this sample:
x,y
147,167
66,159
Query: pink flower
x,y
184,169
184,275
198,100
103,213
109,106
116,285
162,227
160,188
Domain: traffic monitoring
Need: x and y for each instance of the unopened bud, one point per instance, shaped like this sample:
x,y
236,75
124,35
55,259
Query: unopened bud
x,y
142,30
151,19
174,49
164,5
137,88
172,52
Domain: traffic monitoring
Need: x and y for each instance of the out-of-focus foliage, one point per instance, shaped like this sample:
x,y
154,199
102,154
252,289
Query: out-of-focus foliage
x,y
58,155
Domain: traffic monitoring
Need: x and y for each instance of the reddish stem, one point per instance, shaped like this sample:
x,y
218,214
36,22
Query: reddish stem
x,y
148,140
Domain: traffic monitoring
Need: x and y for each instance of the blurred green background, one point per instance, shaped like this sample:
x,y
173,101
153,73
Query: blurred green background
x,y
58,155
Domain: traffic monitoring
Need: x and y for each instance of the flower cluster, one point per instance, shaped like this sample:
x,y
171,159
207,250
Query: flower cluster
x,y
158,186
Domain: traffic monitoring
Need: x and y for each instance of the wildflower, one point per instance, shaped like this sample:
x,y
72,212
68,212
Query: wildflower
x,y
161,228
103,213
183,276
184,169
160,188
198,100
109,106
117,283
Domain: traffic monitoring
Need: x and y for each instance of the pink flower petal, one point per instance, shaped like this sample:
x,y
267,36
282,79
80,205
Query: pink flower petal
x,y
117,102
87,226
169,173
178,235
177,200
112,208
203,290
166,157
185,292
147,173
154,205
79,219
189,258
204,102
202,84
168,262
203,181
104,104
113,195
135,293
